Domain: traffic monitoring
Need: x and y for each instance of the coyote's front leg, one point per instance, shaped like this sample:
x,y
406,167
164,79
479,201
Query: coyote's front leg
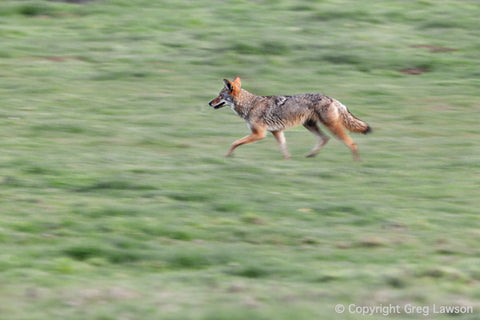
x,y
280,137
257,134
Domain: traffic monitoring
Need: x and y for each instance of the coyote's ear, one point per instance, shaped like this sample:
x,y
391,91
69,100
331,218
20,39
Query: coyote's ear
x,y
238,81
228,85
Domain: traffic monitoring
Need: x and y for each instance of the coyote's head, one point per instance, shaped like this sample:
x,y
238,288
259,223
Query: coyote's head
x,y
227,94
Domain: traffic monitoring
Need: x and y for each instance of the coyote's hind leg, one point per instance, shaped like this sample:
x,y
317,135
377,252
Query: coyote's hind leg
x,y
339,131
312,126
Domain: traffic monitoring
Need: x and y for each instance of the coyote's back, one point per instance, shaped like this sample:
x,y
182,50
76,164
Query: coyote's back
x,y
276,113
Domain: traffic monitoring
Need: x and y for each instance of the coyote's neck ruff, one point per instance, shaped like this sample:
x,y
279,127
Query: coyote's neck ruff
x,y
276,113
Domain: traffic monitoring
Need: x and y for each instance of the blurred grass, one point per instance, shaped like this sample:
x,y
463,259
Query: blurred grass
x,y
117,202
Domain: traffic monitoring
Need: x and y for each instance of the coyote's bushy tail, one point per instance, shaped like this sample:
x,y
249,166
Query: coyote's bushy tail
x,y
352,123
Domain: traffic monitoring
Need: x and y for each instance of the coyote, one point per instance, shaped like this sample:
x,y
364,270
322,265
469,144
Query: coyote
x,y
276,113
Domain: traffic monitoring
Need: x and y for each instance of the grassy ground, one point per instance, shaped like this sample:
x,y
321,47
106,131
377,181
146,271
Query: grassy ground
x,y
117,202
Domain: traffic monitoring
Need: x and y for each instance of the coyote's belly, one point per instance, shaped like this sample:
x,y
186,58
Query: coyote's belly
x,y
287,116
277,123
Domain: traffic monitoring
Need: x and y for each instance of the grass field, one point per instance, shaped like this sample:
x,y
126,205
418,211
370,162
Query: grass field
x,y
116,200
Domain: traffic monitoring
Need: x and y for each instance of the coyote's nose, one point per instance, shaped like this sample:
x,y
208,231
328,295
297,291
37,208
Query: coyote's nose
x,y
210,104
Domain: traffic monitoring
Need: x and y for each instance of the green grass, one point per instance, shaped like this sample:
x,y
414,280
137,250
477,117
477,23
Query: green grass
x,y
116,200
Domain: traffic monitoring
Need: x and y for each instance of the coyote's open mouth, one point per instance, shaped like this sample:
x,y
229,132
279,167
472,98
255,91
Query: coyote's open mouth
x,y
218,106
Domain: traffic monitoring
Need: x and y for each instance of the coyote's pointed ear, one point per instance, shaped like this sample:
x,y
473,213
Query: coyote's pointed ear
x,y
238,81
228,85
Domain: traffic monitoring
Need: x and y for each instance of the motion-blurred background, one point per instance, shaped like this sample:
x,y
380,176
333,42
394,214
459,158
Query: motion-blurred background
x,y
116,201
